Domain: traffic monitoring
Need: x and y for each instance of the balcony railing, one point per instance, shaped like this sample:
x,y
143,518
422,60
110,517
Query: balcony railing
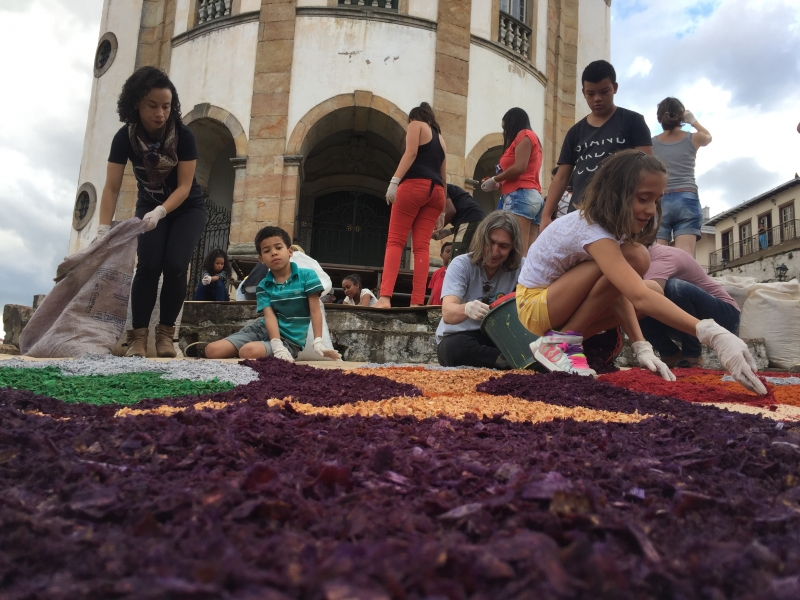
x,y
775,236
388,4
515,35
208,10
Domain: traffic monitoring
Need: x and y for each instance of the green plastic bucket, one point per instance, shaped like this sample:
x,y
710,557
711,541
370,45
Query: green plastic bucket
x,y
503,327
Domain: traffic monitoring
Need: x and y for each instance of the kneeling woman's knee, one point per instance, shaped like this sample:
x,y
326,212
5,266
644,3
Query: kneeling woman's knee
x,y
637,256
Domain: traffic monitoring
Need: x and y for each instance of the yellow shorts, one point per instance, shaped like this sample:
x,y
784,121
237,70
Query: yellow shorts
x,y
532,309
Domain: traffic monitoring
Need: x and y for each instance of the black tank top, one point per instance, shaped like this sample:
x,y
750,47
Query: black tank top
x,y
428,163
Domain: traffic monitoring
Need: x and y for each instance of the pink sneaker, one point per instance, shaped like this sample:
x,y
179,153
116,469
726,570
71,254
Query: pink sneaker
x,y
562,351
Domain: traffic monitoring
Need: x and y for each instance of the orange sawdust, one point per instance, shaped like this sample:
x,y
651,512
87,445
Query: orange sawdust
x,y
435,382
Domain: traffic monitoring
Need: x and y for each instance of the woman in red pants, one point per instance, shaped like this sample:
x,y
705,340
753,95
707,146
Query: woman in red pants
x,y
417,195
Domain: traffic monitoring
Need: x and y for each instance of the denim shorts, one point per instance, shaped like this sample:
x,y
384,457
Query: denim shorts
x,y
527,203
681,215
256,331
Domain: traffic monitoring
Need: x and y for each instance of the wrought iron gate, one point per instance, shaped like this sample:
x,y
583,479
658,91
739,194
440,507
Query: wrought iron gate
x,y
215,235
347,228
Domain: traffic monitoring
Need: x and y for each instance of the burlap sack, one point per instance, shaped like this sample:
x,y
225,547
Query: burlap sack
x,y
85,311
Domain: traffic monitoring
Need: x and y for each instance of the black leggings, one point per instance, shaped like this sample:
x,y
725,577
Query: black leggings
x,y
166,249
468,349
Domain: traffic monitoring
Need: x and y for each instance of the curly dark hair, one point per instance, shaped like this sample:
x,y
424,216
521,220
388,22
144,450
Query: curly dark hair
x,y
208,263
137,87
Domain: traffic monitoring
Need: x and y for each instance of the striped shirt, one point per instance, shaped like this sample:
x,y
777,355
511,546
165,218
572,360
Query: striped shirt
x,y
289,301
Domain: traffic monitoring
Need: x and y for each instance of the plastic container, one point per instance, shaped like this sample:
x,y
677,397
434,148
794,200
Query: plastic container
x,y
503,327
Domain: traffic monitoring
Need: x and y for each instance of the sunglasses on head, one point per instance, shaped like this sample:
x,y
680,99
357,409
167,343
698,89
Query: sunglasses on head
x,y
153,156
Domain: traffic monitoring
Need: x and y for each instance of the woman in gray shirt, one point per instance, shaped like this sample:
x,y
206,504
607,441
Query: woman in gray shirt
x,y
682,214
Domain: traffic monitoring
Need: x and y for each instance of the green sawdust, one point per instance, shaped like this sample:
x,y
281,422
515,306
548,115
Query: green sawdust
x,y
125,389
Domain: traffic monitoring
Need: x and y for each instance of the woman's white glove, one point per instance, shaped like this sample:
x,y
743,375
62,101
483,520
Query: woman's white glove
x,y
476,310
688,117
206,279
391,193
280,351
490,185
647,359
102,231
732,353
319,346
154,216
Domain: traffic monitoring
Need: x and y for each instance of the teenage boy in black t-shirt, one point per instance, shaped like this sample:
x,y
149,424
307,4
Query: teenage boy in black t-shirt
x,y
607,129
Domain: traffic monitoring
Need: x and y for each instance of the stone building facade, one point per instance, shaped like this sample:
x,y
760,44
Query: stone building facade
x,y
300,106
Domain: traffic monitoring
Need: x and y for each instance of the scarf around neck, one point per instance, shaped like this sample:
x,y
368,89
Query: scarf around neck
x,y
167,151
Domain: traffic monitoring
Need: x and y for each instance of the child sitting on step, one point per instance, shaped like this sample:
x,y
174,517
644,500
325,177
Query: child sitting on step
x,y
288,296
355,294
214,281
584,275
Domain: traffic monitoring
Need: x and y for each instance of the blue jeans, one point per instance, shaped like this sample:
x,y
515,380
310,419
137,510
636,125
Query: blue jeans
x,y
527,203
699,304
214,291
681,215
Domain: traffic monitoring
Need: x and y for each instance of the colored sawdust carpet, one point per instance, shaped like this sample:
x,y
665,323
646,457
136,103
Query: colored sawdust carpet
x,y
400,483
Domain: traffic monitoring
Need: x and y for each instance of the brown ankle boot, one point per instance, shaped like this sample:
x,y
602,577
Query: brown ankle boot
x,y
164,346
137,342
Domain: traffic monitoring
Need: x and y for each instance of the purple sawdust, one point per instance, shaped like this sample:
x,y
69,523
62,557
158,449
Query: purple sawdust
x,y
318,387
252,502
563,389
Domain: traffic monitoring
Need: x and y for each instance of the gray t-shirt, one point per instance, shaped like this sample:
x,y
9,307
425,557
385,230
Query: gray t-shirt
x,y
466,280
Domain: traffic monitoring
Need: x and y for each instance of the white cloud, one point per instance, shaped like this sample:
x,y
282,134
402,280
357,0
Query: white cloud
x,y
48,48
640,66
734,64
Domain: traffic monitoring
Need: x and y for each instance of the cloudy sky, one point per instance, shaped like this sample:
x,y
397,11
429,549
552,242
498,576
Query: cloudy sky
x,y
734,63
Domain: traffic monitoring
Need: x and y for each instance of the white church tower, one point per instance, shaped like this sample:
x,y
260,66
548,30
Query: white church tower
x,y
300,106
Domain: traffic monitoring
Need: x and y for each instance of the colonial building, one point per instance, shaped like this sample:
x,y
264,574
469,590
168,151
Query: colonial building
x,y
300,106
756,237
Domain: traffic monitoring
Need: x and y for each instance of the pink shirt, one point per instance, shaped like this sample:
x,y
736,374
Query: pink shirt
x,y
667,262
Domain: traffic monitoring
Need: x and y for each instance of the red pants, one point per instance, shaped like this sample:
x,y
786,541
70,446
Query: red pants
x,y
416,209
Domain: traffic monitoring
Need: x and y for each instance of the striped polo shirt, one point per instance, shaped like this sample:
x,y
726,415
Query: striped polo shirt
x,y
289,301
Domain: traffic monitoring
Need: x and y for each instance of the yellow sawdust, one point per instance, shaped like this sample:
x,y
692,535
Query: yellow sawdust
x,y
434,382
512,409
168,410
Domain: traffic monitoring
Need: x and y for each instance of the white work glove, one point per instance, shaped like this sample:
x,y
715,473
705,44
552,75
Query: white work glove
x,y
476,310
319,346
647,359
391,193
732,353
154,216
280,351
102,231
206,279
688,117
490,185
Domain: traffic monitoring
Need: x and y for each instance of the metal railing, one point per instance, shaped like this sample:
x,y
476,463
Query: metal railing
x,y
786,231
208,10
389,4
515,35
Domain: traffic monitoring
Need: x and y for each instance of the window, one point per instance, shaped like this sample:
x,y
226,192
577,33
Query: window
x,y
788,225
105,53
746,245
515,8
765,230
85,204
727,242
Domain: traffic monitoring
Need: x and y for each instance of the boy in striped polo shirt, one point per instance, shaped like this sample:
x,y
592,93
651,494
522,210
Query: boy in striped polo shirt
x,y
289,299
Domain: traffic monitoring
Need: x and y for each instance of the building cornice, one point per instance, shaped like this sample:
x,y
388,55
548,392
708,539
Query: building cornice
x,y
753,201
366,14
509,55
216,24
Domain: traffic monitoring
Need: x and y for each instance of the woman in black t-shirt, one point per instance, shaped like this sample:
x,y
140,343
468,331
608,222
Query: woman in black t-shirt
x,y
163,153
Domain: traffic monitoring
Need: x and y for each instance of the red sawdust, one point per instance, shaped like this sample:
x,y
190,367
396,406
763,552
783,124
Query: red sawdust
x,y
699,385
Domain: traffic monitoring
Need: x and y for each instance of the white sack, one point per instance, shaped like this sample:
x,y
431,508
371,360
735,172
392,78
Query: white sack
x,y
85,311
772,312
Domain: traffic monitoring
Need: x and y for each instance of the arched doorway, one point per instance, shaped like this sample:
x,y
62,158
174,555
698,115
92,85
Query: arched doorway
x,y
482,161
215,173
350,156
